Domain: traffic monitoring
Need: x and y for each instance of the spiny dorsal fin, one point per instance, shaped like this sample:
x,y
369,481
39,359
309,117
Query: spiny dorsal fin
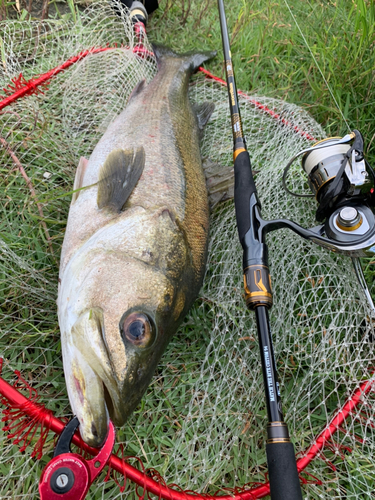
x,y
118,177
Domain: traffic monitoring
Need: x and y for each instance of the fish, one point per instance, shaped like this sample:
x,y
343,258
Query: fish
x,y
135,246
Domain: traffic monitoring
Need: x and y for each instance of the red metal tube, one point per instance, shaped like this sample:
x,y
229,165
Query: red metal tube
x,y
335,423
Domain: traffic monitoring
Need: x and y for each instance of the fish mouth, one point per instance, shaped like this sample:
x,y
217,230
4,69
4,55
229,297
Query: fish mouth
x,y
93,391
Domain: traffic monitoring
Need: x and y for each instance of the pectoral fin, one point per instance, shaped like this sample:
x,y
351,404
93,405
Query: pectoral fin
x,y
118,176
78,180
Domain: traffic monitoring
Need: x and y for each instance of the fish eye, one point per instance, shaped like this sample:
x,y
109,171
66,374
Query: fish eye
x,y
138,328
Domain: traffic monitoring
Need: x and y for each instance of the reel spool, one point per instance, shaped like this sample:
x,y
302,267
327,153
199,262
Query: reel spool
x,y
321,165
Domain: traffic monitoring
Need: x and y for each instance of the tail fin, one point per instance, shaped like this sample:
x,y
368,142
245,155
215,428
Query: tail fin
x,y
192,59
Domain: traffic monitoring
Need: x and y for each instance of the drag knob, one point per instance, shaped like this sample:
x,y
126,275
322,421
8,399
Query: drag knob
x,y
349,219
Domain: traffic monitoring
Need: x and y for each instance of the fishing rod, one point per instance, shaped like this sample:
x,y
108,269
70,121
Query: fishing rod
x,y
282,467
343,184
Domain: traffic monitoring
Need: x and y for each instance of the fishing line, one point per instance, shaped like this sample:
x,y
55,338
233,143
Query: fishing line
x,y
317,65
318,157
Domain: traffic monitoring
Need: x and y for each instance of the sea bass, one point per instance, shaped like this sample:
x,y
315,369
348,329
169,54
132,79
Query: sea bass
x,y
134,252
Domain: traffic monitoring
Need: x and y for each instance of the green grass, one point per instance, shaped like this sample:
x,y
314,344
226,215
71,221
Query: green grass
x,y
270,58
270,55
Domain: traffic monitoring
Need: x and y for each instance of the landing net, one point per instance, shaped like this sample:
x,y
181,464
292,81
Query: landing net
x,y
202,422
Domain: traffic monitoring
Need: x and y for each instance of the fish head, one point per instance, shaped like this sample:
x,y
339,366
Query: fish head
x,y
123,308
138,322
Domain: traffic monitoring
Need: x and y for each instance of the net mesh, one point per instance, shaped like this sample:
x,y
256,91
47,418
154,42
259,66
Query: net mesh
x,y
202,422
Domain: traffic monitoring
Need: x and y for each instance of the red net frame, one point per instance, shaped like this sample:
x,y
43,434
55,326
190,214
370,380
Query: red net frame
x,y
24,417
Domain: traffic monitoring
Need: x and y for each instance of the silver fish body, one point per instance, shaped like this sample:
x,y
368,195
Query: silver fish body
x,y
134,251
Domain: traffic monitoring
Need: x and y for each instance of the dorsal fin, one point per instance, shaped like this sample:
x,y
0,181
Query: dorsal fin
x,y
118,177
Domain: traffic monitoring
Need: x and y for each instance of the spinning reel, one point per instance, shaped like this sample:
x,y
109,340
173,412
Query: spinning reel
x,y
343,184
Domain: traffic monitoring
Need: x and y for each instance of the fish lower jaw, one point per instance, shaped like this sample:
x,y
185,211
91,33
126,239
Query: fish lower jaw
x,y
113,409
91,400
92,438
94,415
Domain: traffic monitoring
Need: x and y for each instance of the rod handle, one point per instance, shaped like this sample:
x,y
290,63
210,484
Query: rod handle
x,y
244,187
282,472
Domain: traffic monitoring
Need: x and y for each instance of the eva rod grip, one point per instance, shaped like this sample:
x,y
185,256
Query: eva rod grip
x,y
282,472
244,187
